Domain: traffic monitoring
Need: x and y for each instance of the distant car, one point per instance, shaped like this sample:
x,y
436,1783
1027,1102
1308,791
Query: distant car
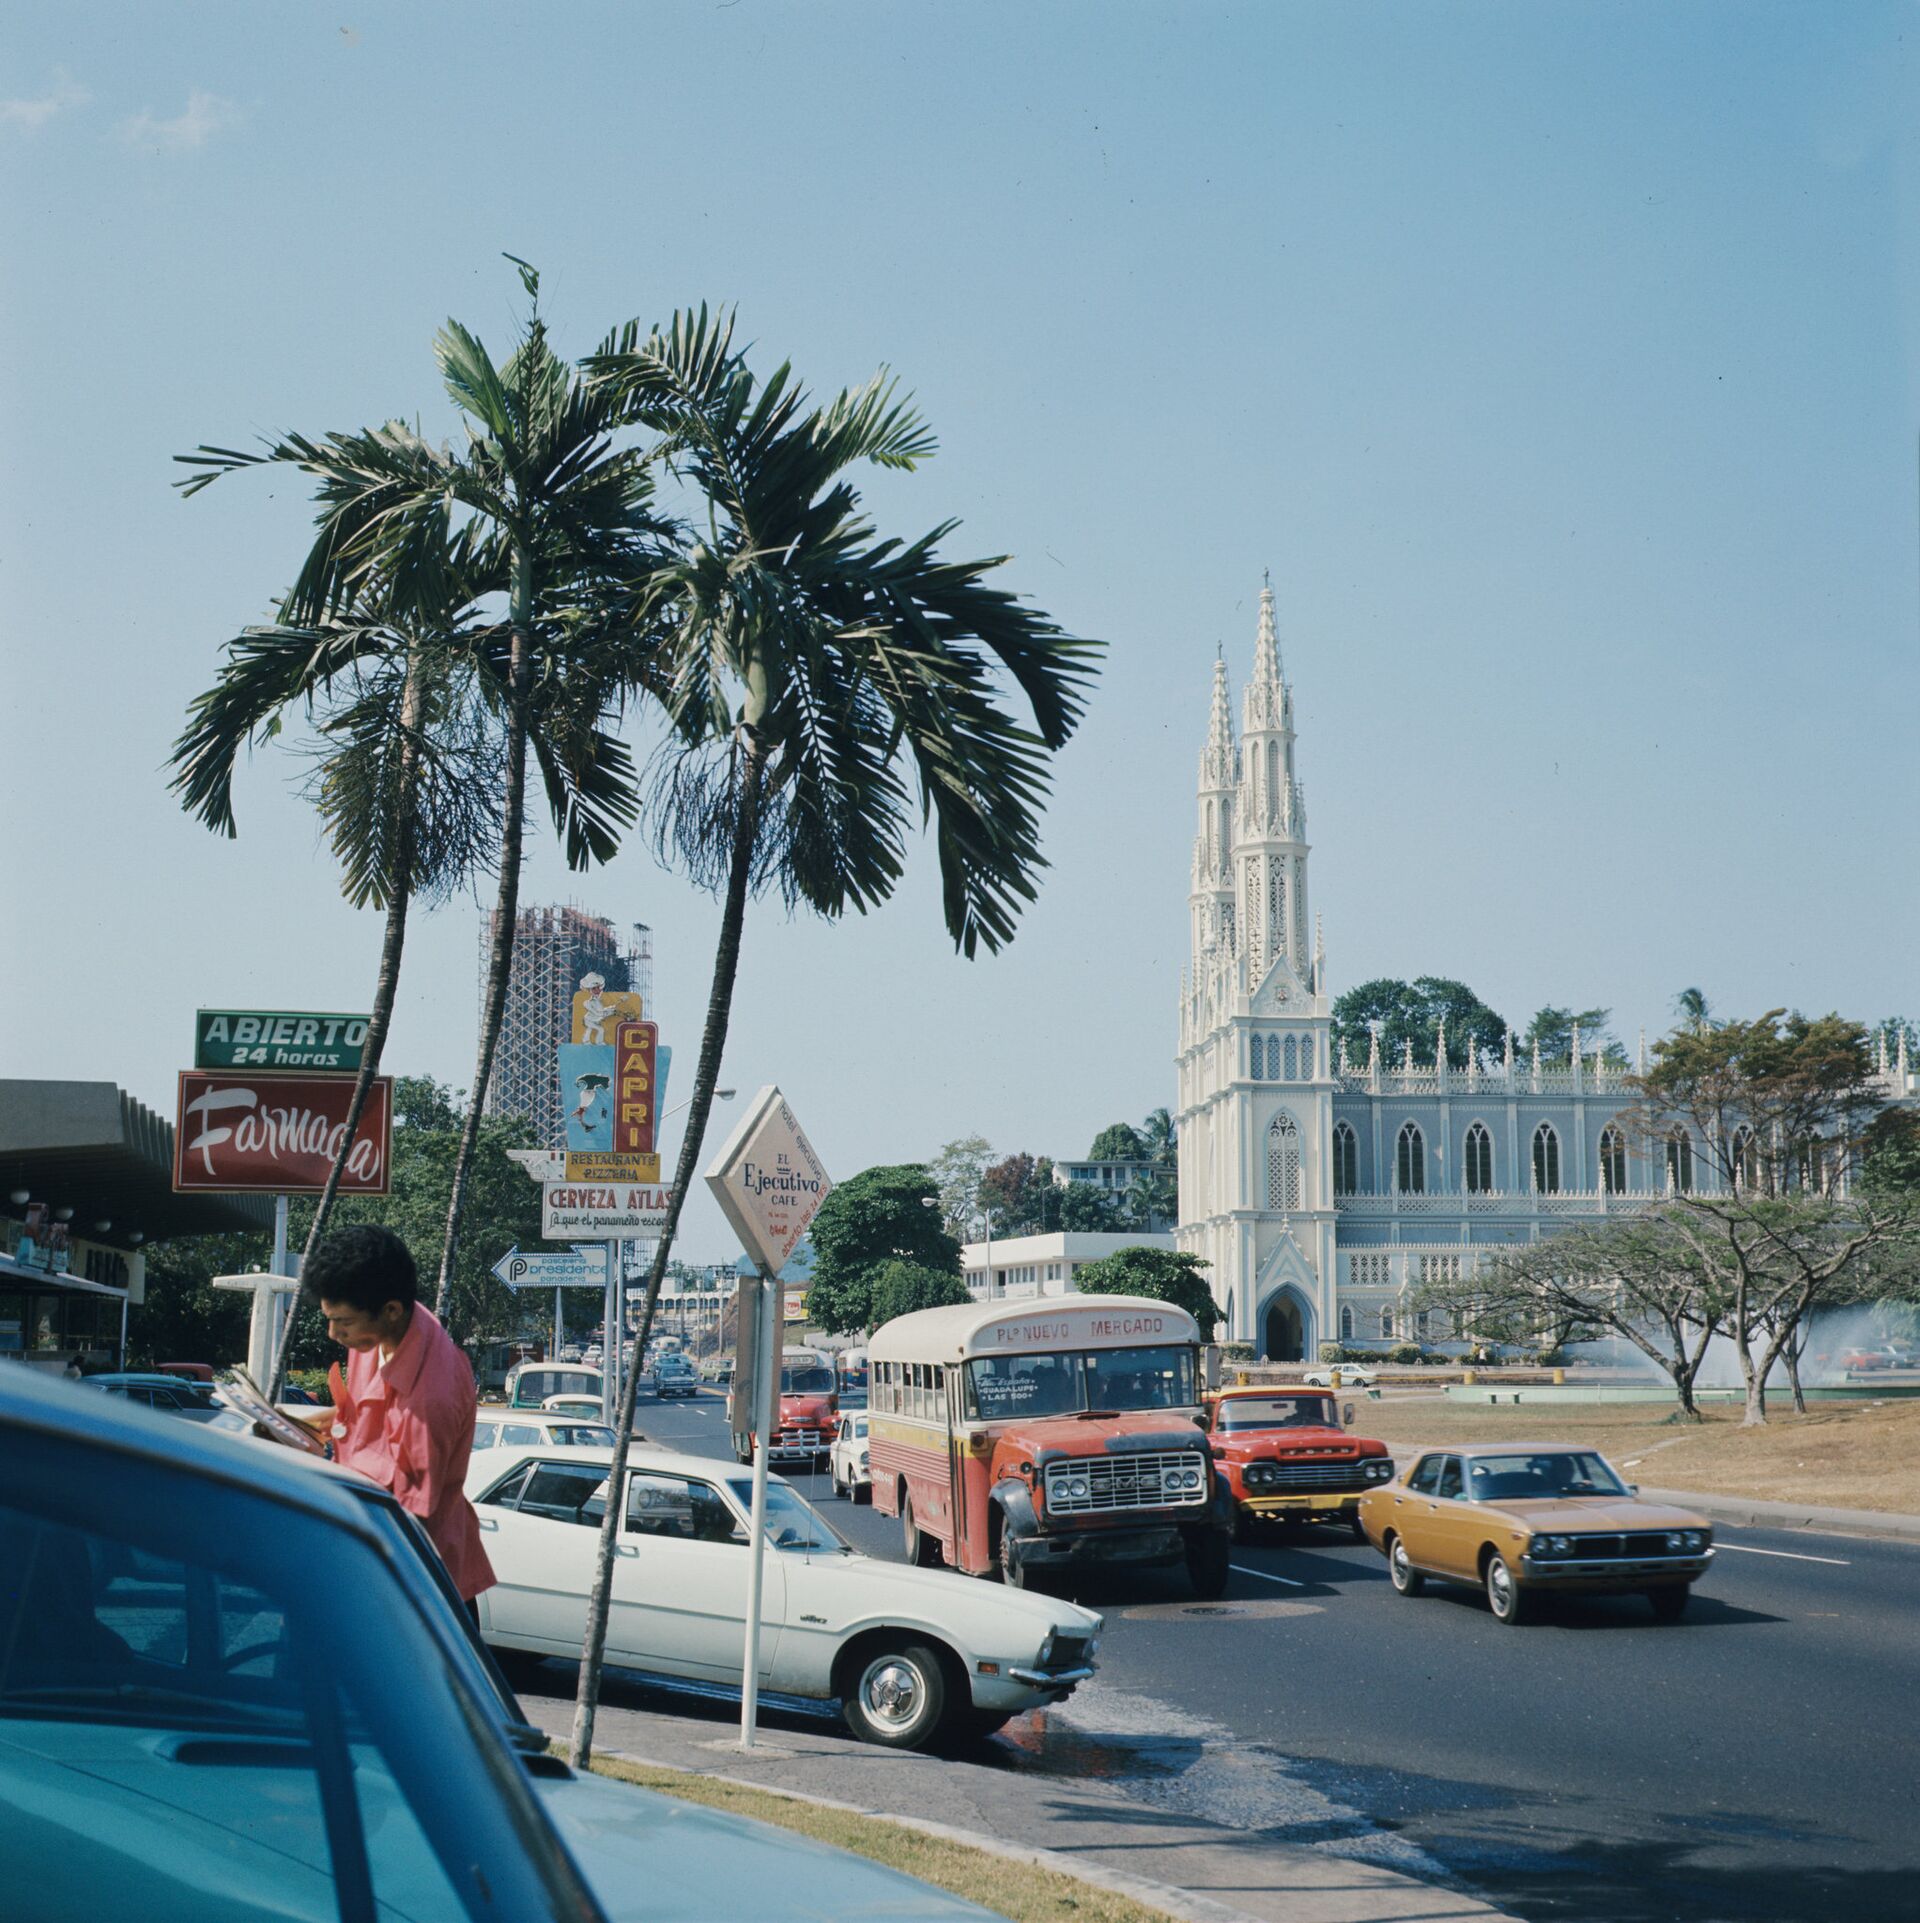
x,y
1518,1520
581,1408
717,1368
498,1428
1353,1375
676,1376
1883,1355
571,1353
847,1459
191,1371
910,1654
171,1395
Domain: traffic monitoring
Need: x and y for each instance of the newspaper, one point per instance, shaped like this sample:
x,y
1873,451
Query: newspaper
x,y
243,1392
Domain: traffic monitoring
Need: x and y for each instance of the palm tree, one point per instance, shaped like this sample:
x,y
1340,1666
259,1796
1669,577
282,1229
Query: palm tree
x,y
1159,1137
402,777
559,522
1696,1014
822,683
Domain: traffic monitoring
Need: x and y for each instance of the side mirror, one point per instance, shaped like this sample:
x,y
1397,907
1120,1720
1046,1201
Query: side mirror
x,y
1633,1488
1346,1412
1200,1422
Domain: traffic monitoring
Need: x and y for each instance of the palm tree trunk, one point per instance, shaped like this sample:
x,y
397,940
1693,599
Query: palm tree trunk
x,y
713,1041
385,989
505,918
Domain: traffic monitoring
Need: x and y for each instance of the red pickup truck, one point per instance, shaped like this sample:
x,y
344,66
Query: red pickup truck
x,y
1287,1459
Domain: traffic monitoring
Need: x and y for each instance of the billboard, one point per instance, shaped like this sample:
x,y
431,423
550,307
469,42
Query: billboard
x,y
601,1211
596,1013
636,1093
768,1180
279,1134
278,1038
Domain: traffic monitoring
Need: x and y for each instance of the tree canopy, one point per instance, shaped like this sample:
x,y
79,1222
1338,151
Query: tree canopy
x,y
1552,1031
1412,1012
899,1288
1162,1275
884,1215
1118,1142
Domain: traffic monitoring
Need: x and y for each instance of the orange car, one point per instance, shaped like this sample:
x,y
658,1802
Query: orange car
x,y
1521,1519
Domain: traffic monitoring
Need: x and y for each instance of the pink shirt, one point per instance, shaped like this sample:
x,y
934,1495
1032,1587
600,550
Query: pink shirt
x,y
409,1426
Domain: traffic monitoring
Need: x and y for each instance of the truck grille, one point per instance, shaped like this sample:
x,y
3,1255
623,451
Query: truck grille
x,y
1284,1478
1126,1482
793,1442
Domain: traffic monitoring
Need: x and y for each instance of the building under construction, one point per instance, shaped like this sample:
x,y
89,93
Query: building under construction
x,y
552,949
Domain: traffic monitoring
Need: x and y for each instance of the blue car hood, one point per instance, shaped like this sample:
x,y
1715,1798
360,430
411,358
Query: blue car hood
x,y
652,1859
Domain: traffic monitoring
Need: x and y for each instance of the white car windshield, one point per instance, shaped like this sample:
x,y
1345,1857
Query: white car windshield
x,y
790,1523
1064,1384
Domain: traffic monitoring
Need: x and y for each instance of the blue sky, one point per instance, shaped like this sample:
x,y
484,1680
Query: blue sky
x,y
1559,362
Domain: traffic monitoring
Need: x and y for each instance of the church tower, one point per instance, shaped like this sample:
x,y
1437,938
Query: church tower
x,y
1256,1069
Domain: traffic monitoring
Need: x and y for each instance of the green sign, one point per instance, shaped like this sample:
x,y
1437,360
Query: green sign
x,y
271,1038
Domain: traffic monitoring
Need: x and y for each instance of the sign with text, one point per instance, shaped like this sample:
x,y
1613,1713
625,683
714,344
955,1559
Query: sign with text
x,y
576,1268
768,1181
602,1210
635,1090
268,1038
608,1165
280,1134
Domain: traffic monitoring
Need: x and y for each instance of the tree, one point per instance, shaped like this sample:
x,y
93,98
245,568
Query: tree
x,y
1639,1279
1412,1012
404,772
183,1318
899,1288
958,1171
1160,1138
1087,1210
1151,1201
1019,1187
1694,1010
557,524
1779,1111
880,1216
823,684
1551,1032
1163,1275
1117,1142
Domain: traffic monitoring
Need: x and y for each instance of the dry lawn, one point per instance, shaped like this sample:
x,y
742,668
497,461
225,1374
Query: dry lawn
x,y
1019,1891
1847,1455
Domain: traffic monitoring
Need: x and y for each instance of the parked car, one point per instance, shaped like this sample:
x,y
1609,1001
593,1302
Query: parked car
x,y
176,1720
498,1428
189,1371
1520,1520
1287,1459
910,1654
1353,1375
847,1459
580,1408
531,1383
674,1375
171,1395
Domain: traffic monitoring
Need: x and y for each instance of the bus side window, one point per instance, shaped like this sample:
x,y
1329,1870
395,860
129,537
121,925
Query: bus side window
x,y
939,1409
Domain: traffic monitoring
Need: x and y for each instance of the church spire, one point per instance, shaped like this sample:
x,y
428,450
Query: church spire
x,y
1219,762
1268,670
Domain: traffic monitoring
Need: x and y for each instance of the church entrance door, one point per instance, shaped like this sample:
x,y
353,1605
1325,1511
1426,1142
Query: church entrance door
x,y
1286,1336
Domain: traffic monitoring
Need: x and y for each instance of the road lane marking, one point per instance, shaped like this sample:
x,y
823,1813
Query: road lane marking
x,y
1789,1555
1240,1569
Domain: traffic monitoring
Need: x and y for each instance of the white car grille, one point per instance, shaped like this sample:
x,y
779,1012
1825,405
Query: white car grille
x,y
1101,1484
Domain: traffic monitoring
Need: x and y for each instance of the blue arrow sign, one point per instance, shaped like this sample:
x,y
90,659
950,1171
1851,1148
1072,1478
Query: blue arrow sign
x,y
582,1267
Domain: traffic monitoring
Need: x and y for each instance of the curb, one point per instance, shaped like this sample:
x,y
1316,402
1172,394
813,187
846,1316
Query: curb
x,y
1759,1514
1183,1904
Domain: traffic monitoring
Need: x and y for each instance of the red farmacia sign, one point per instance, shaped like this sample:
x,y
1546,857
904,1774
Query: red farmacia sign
x,y
279,1133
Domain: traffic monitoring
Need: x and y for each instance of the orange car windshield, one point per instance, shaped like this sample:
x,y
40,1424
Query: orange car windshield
x,y
1240,1413
1539,1476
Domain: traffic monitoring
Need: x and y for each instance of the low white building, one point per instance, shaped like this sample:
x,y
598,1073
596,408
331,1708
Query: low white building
x,y
1043,1264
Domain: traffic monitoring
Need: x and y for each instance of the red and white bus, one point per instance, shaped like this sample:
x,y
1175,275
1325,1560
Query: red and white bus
x,y
1051,1435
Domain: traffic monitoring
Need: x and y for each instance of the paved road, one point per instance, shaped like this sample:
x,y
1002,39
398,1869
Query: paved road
x,y
1756,1761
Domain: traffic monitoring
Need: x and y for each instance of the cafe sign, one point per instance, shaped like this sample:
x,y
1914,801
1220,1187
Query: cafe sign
x,y
768,1181
281,1134
270,1038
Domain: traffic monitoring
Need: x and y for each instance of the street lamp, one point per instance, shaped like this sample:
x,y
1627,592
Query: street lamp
x,y
719,1095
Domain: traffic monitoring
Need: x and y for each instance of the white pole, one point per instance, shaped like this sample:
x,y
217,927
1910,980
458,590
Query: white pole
x,y
765,1389
559,1324
283,1323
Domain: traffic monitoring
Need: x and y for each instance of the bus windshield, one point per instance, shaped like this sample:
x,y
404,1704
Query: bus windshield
x,y
809,1379
1066,1384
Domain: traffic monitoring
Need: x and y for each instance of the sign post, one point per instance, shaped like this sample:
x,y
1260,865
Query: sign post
x,y
769,1184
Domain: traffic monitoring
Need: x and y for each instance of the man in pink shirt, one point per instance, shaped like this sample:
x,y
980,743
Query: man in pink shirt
x,y
406,1420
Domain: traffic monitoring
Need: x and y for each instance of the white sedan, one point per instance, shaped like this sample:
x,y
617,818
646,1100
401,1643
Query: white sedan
x,y
910,1654
1353,1375
847,1459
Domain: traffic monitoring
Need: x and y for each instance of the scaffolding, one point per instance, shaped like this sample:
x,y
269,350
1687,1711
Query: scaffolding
x,y
552,949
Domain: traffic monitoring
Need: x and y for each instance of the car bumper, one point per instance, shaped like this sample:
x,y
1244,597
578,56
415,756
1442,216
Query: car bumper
x,y
1614,1573
1017,1687
1342,1503
1157,1543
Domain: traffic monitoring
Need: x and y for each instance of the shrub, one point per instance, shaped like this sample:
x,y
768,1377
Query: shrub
x,y
1406,1354
1332,1352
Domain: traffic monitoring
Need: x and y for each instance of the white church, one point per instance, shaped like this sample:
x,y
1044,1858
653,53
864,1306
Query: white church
x,y
1322,1192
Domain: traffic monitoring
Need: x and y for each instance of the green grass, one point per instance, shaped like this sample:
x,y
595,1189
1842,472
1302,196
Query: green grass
x,y
1019,1891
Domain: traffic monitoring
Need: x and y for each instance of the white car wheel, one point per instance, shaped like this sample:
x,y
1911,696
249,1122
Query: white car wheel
x,y
898,1696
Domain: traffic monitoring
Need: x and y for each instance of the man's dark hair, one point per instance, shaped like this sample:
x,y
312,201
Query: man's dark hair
x,y
365,1266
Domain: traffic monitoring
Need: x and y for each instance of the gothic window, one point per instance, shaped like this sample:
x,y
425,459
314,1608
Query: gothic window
x,y
1370,1271
1410,1161
1745,1162
1680,1162
1546,1160
1256,950
1346,1323
1259,1058
1277,906
1386,1322
1346,1159
1613,1161
1290,1049
1283,1162
1273,779
1478,1162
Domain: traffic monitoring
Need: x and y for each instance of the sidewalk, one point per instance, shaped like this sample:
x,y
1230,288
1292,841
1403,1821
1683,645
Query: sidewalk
x,y
1203,1872
1790,1515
